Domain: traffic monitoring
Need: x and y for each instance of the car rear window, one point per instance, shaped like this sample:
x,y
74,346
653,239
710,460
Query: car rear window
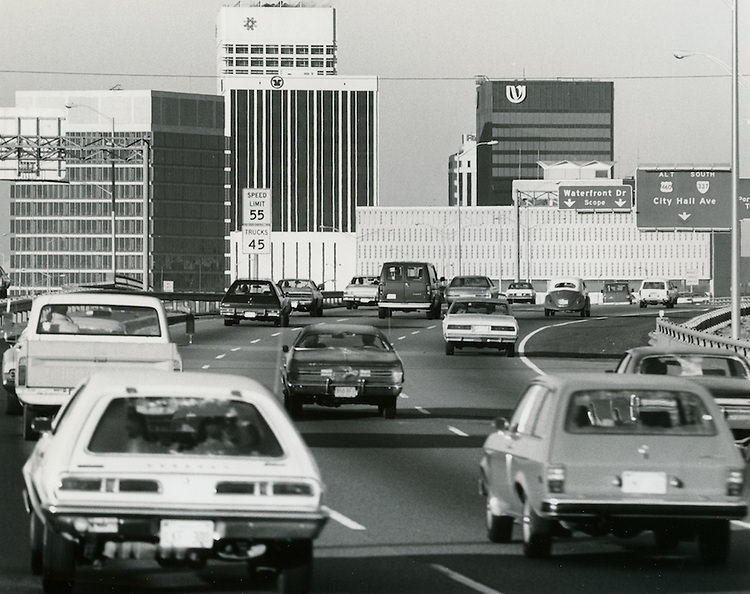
x,y
183,426
638,412
653,285
479,307
341,340
470,282
393,272
693,365
616,288
98,320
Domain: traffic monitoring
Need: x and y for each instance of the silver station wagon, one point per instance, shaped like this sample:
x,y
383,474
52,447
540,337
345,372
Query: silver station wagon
x,y
614,454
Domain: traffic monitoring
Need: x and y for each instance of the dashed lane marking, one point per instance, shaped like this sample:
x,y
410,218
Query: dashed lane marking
x,y
235,349
221,356
457,431
424,411
255,340
205,367
343,520
465,581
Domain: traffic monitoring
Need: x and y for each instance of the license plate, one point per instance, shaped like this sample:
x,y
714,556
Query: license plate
x,y
644,482
481,329
295,303
345,392
186,534
250,314
390,296
563,302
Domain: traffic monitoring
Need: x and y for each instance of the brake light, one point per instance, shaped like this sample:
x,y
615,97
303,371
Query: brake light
x,y
292,489
21,372
735,483
556,479
176,364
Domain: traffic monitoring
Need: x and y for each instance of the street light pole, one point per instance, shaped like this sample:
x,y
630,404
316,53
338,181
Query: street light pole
x,y
459,197
113,185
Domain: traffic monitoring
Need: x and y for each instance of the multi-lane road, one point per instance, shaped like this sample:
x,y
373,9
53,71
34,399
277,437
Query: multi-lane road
x,y
406,515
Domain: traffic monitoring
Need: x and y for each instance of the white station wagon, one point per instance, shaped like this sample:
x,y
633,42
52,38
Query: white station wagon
x,y
180,468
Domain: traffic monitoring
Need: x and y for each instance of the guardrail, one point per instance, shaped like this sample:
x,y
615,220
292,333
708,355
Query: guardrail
x,y
701,330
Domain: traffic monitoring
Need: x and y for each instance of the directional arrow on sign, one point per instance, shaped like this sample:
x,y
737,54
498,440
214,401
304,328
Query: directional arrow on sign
x,y
684,215
569,203
620,203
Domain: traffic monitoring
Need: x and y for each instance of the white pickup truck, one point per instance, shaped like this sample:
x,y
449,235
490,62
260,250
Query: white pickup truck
x,y
70,335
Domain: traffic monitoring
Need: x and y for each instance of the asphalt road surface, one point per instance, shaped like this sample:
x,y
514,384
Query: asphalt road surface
x,y
406,515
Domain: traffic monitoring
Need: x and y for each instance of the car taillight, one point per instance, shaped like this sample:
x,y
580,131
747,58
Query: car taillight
x,y
397,375
735,482
292,489
556,479
176,364
459,326
21,372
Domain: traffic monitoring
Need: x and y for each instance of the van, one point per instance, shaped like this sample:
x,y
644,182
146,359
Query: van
x,y
409,286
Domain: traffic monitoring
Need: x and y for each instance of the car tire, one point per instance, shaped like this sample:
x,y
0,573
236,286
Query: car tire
x,y
510,351
381,313
642,305
13,406
295,573
58,563
29,414
292,406
228,322
36,543
546,312
499,528
449,348
666,539
537,539
349,306
388,411
284,321
714,539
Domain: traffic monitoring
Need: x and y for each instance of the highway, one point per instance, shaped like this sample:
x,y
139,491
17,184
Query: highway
x,y
406,515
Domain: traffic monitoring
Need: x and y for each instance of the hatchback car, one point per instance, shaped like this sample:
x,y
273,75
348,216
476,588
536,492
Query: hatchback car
x,y
361,290
180,469
303,294
481,323
339,364
255,300
469,286
521,292
614,454
567,294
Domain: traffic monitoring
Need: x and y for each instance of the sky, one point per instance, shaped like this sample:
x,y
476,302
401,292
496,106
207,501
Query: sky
x,y
426,54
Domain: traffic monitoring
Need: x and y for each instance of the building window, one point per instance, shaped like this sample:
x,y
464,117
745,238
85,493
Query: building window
x,y
316,63
272,62
287,49
228,61
303,49
255,49
256,61
228,48
302,62
272,49
317,50
241,49
288,62
241,62
330,50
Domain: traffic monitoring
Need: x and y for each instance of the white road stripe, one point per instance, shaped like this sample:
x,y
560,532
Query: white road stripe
x,y
205,366
275,333
431,327
235,349
526,338
221,356
462,579
344,521
255,340
457,431
741,524
415,332
424,411
342,319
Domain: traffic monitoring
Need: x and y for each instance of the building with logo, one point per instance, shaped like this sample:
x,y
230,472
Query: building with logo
x,y
537,121
285,39
115,183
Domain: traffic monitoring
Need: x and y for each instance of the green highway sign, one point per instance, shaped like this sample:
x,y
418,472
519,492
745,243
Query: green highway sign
x,y
602,197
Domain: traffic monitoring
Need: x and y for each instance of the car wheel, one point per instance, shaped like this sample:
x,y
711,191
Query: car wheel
x,y
666,539
295,576
36,542
292,406
284,321
58,563
13,405
29,414
510,351
355,305
388,411
349,306
546,312
381,313
499,528
642,305
714,542
228,322
537,541
449,348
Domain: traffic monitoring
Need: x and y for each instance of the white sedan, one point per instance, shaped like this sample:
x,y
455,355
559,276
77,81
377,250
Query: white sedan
x,y
480,323
177,468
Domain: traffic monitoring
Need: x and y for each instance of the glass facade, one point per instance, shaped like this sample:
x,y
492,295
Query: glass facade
x,y
539,121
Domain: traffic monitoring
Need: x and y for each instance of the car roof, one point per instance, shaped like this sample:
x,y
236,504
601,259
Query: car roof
x,y
575,381
645,351
464,299
96,298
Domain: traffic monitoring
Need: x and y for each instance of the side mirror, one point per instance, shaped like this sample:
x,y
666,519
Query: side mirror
x,y
322,286
501,424
41,424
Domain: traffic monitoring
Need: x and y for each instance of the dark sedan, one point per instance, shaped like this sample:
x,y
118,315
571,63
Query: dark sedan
x,y
256,300
338,364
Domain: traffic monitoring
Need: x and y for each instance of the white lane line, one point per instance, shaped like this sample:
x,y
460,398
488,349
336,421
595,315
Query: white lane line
x,y
235,349
462,579
342,319
275,333
415,332
431,327
403,395
205,366
457,431
741,523
526,338
221,356
343,520
401,337
255,340
424,411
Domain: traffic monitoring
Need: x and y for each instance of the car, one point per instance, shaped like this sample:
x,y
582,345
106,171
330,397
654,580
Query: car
x,y
725,374
361,290
606,454
410,286
255,300
470,286
657,291
567,294
336,364
11,345
617,292
5,283
521,292
482,323
304,295
181,469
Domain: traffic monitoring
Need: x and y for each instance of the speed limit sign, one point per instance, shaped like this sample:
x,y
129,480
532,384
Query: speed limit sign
x,y
256,239
256,206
